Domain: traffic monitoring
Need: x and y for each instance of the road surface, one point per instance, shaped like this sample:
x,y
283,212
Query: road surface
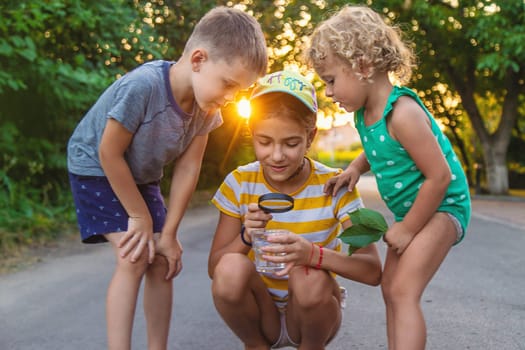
x,y
476,300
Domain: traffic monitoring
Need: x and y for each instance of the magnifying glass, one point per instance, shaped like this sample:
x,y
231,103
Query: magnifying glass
x,y
275,202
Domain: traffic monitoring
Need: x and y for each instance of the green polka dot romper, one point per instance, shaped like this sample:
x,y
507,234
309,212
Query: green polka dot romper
x,y
398,178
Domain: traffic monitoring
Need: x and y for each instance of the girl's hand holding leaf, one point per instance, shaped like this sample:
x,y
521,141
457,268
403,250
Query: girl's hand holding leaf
x,y
368,226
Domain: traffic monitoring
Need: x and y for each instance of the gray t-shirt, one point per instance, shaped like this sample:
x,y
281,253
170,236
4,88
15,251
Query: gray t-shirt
x,y
143,103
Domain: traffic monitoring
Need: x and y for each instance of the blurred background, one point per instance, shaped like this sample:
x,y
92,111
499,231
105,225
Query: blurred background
x,y
57,56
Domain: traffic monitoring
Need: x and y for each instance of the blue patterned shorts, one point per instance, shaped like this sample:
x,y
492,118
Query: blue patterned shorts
x,y
100,212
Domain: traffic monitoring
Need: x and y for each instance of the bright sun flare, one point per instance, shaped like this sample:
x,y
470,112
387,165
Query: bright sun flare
x,y
243,108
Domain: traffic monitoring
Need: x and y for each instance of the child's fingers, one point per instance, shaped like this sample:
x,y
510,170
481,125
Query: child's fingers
x,y
334,184
139,249
337,186
178,267
255,218
174,268
351,184
253,207
284,271
125,238
151,250
328,186
256,214
285,238
171,269
128,244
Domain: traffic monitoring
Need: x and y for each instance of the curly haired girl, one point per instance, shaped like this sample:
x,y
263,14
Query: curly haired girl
x,y
419,176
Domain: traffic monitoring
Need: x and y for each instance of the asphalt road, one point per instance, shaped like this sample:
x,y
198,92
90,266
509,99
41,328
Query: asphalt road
x,y
476,300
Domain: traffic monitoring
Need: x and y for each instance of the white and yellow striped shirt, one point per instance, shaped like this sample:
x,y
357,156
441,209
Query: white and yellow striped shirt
x,y
315,215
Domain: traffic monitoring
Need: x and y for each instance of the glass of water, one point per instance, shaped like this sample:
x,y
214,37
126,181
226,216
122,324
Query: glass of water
x,y
259,240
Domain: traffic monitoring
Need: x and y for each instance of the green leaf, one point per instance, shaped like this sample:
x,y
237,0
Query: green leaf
x,y
368,226
5,48
370,218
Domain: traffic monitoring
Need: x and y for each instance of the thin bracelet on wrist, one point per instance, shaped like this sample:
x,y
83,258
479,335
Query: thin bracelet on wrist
x,y
320,261
310,259
243,229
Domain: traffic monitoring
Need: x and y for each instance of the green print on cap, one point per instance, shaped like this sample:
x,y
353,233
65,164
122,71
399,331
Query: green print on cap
x,y
288,82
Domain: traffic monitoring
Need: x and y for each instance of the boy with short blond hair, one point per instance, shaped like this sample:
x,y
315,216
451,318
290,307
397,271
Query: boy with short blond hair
x,y
159,113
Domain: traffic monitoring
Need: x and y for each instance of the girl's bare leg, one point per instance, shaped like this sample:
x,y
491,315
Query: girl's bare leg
x,y
391,261
313,314
242,300
404,284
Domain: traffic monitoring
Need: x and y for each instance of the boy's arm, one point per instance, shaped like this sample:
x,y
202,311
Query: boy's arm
x,y
115,140
183,182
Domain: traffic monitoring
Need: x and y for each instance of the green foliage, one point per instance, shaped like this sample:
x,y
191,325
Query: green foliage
x,y
463,87
33,204
174,20
504,44
56,57
368,226
60,55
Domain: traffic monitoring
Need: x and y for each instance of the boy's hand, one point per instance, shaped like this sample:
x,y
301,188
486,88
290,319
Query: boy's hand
x,y
172,251
347,178
138,236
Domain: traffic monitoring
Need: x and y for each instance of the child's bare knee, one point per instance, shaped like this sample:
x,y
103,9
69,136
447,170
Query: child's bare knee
x,y
159,267
397,291
233,265
137,268
231,275
310,290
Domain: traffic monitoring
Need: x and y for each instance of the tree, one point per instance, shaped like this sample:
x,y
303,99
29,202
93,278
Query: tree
x,y
476,49
61,54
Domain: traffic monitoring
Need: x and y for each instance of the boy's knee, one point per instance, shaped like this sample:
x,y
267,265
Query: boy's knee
x,y
136,268
159,267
